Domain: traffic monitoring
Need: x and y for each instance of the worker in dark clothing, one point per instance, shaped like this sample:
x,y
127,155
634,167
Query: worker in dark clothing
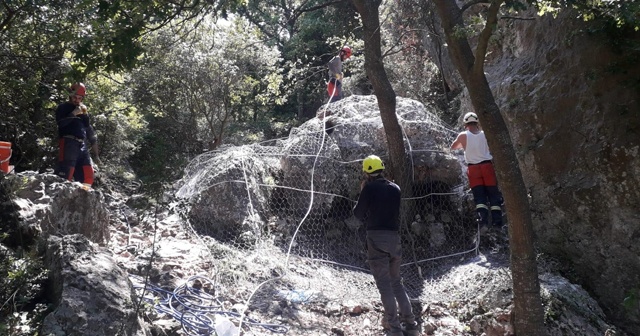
x,y
379,208
334,86
74,134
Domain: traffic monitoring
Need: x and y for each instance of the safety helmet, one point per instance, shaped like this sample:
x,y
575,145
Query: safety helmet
x,y
77,89
470,118
347,51
372,164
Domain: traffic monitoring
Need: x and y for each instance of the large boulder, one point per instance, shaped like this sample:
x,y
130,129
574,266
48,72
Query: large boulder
x,y
49,205
310,152
238,194
224,188
358,131
90,293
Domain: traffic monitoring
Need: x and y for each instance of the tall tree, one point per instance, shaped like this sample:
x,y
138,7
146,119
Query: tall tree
x,y
369,14
45,45
307,33
526,287
194,88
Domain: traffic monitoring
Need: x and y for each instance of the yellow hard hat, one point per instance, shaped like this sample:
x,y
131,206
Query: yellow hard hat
x,y
372,164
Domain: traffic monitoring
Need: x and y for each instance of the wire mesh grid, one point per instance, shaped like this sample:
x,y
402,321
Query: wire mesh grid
x,y
282,209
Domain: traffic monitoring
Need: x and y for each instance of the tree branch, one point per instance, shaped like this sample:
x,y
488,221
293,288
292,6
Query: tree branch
x,y
301,10
471,3
506,17
485,35
244,11
392,50
11,14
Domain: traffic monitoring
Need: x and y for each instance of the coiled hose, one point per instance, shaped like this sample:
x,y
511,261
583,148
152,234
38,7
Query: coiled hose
x,y
192,306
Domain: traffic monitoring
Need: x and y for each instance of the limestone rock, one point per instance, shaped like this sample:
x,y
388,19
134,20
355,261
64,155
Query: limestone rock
x,y
91,294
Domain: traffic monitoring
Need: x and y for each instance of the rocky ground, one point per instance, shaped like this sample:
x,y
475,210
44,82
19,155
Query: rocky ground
x,y
196,285
465,296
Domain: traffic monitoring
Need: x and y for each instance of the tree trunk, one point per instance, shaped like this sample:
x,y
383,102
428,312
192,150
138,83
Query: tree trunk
x,y
384,92
526,287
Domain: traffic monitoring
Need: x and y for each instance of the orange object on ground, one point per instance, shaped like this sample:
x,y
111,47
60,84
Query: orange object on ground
x,y
5,155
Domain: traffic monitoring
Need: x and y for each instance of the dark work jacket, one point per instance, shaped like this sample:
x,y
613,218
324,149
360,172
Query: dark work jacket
x,y
379,205
76,126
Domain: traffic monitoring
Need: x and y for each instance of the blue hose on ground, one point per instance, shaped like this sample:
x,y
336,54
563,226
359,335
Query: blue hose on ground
x,y
191,306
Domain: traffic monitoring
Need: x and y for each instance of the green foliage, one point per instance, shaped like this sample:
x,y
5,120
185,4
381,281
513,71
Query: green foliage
x,y
29,67
161,155
307,34
117,122
21,292
411,66
619,14
195,87
22,274
48,44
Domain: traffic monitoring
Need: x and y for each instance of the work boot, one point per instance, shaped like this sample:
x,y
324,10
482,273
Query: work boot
x,y
392,330
496,217
394,333
412,329
482,217
385,324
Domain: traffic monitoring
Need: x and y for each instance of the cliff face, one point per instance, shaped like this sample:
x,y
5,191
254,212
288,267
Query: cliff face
x,y
575,125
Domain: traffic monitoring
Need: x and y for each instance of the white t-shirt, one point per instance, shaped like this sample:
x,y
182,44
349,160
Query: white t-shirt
x,y
477,149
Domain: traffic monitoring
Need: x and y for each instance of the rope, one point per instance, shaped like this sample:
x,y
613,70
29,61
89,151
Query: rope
x,y
335,88
200,321
311,200
192,306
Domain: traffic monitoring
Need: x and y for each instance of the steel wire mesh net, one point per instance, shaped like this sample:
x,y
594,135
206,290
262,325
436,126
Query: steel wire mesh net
x,y
280,212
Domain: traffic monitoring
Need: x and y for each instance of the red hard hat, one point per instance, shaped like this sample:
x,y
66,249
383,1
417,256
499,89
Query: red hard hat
x,y
347,51
77,89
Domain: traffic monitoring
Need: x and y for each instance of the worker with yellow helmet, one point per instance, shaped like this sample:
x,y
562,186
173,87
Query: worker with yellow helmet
x,y
378,208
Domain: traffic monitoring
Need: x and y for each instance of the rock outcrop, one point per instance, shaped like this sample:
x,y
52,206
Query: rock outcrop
x,y
236,192
50,206
90,293
573,122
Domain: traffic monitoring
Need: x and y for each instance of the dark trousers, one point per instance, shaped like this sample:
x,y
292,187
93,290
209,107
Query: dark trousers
x,y
74,161
384,256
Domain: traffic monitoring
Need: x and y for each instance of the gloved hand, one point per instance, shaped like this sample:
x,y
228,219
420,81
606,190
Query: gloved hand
x,y
339,76
80,109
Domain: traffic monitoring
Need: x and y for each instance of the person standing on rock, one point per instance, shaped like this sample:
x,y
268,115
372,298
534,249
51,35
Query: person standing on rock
x,y
334,86
74,131
482,176
378,208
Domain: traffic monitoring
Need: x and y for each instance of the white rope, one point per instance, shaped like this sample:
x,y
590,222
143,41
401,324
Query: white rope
x,y
246,183
293,238
199,178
